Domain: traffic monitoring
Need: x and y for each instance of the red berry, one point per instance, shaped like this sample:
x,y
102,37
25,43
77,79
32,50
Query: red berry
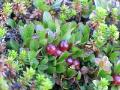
x,y
51,49
69,61
77,67
63,45
116,79
57,53
76,63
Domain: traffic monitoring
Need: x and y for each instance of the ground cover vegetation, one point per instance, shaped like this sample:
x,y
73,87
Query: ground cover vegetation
x,y
59,45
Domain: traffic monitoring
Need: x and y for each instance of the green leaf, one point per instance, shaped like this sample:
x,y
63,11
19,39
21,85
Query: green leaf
x,y
108,49
82,88
34,44
44,61
51,58
65,85
73,38
34,63
109,78
76,52
13,44
20,23
63,57
54,62
114,56
42,67
27,32
89,57
51,25
71,72
2,32
11,22
117,69
101,3
60,68
57,24
43,42
78,76
43,64
47,19
114,88
41,5
67,29
51,69
42,36
57,4
32,55
84,33
103,74
75,49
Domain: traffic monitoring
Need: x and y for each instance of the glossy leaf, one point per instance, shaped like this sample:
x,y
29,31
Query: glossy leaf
x,y
71,72
60,68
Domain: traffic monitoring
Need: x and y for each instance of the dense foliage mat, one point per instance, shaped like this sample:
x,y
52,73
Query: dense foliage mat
x,y
59,45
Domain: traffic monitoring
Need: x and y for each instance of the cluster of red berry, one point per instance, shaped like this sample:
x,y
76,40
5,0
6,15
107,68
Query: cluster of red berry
x,y
73,63
57,51
116,79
